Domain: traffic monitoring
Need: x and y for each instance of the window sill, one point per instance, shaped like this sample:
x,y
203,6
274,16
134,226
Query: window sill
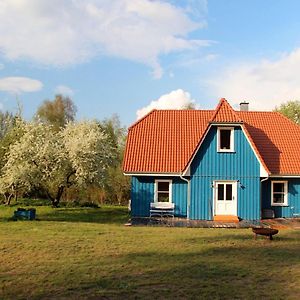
x,y
226,151
282,205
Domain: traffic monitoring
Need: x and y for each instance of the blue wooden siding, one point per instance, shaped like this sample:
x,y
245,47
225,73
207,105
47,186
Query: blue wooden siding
x,y
293,198
142,194
210,165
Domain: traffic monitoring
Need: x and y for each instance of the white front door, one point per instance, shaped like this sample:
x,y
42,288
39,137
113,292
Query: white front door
x,y
225,198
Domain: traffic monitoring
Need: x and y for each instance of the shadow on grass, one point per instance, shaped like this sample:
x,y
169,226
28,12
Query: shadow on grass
x,y
105,215
215,273
241,237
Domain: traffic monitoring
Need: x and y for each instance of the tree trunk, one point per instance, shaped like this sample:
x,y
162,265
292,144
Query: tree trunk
x,y
8,198
56,200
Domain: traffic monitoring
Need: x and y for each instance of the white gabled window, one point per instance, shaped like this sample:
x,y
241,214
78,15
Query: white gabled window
x,y
279,193
163,190
225,137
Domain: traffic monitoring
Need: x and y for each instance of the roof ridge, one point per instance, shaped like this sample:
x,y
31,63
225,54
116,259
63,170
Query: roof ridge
x,y
256,111
182,109
224,103
142,118
286,118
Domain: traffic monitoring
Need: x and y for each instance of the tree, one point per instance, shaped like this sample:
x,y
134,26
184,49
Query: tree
x,y
7,122
56,160
291,110
190,105
9,133
117,185
58,112
13,180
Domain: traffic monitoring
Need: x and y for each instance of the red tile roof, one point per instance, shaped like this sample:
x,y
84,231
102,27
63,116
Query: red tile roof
x,y
277,140
164,141
225,114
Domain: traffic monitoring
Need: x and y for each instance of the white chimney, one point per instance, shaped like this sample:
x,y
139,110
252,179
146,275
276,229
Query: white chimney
x,y
244,106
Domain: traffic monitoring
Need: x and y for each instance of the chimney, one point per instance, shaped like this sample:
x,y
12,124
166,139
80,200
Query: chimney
x,y
244,106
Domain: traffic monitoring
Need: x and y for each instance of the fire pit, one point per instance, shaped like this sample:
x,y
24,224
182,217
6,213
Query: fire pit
x,y
268,232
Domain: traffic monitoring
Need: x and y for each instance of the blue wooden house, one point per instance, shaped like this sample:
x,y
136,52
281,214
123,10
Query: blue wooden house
x,y
215,164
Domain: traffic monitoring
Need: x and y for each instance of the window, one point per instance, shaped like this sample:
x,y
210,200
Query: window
x,y
279,193
225,139
224,191
163,191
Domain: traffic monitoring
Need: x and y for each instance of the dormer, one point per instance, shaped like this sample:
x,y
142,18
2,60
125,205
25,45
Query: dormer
x,y
226,119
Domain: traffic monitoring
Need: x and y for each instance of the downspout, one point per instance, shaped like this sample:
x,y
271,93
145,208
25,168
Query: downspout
x,y
188,196
262,180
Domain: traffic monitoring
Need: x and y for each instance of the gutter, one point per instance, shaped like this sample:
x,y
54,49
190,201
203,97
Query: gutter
x,y
261,181
188,196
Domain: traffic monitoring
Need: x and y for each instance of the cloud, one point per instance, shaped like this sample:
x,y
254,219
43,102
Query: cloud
x,y
18,85
64,33
265,84
64,90
177,99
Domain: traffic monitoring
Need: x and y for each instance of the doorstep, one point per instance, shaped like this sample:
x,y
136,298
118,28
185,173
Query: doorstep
x,y
226,218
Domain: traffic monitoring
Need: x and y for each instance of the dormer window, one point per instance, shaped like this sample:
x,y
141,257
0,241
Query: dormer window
x,y
225,139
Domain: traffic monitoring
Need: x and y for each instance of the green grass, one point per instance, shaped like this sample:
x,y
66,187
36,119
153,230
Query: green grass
x,y
89,254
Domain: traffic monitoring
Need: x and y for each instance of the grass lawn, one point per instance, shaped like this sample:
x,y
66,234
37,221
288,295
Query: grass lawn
x,y
87,253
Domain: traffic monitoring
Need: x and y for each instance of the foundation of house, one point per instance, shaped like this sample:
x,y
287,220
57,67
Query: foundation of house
x,y
279,223
182,222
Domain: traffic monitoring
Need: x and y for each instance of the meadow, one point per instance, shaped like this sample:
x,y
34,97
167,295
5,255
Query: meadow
x,y
88,253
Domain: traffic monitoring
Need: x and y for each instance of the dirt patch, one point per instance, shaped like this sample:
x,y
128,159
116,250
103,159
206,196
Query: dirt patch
x,y
283,223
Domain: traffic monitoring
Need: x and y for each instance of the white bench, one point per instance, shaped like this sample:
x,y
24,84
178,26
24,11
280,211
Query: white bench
x,y
162,209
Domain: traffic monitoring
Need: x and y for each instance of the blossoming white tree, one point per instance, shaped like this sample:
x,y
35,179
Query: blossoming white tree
x,y
53,161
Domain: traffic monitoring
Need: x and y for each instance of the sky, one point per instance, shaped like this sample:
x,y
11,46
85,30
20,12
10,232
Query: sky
x,y
127,57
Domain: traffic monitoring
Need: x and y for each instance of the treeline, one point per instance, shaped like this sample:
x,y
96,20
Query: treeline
x,y
55,157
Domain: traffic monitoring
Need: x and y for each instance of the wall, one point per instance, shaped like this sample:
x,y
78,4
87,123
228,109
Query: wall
x,y
293,198
142,194
210,165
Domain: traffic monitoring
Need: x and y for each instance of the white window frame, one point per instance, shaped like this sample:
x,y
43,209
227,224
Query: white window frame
x,y
231,139
285,203
156,189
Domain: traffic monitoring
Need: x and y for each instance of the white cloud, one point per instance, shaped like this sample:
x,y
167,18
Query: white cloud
x,y
264,84
63,33
18,85
177,99
64,90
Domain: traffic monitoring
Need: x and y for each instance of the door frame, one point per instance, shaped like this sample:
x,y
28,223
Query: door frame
x,y
234,194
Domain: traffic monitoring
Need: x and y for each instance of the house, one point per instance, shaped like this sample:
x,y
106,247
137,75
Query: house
x,y
215,163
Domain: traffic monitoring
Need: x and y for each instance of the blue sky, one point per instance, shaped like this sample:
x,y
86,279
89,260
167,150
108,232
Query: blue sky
x,y
129,56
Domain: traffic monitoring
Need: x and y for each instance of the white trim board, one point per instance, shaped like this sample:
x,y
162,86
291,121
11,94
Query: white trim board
x,y
284,176
152,174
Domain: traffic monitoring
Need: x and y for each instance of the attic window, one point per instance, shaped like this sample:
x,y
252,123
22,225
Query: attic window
x,y
225,139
